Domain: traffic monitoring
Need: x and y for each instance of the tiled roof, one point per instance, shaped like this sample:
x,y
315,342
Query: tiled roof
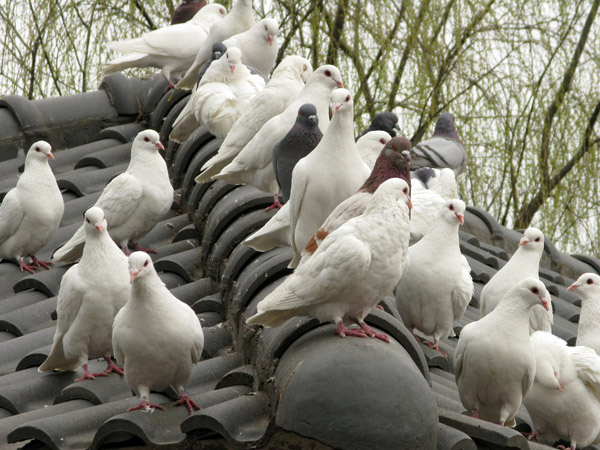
x,y
297,386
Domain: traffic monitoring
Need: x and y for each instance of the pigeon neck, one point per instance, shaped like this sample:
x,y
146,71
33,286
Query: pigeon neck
x,y
442,229
340,133
589,317
241,8
100,248
526,262
147,289
383,170
516,309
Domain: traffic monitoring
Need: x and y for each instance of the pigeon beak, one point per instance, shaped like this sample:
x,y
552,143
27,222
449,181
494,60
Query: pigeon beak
x,y
336,107
232,67
133,274
50,155
409,203
312,118
573,287
545,304
218,55
160,146
339,83
523,241
397,127
98,227
271,39
461,218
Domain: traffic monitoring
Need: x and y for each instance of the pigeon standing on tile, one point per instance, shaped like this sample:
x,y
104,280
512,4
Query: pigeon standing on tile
x,y
186,10
295,145
330,174
351,271
494,363
524,263
223,93
369,146
284,86
156,337
31,212
254,165
385,121
393,162
588,332
133,202
218,50
91,293
172,48
437,285
443,149
564,401
239,19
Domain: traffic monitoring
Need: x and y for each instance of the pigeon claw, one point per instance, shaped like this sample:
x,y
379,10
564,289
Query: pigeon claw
x,y
342,331
112,367
38,263
435,346
189,403
23,267
533,436
139,248
146,406
86,375
372,333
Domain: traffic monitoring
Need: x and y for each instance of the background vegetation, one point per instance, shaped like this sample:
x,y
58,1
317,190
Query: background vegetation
x,y
521,77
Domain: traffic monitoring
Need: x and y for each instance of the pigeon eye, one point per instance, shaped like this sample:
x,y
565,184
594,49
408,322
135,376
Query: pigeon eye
x,y
301,113
146,139
87,220
37,149
451,207
535,290
537,239
327,73
382,140
405,191
146,263
348,98
266,28
590,281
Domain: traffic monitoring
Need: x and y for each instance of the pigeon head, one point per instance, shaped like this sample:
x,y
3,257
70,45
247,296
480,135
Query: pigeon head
x,y
394,190
425,174
341,98
386,121
94,220
148,139
444,183
532,240
140,266
329,75
453,211
186,11
218,49
40,151
373,139
233,57
587,285
445,127
307,115
392,162
532,292
269,29
295,66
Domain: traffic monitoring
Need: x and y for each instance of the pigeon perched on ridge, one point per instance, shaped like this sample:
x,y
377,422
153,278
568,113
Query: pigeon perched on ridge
x,y
386,121
525,262
433,306
186,10
369,146
443,149
90,295
218,50
239,19
171,48
295,145
156,337
564,401
254,165
284,86
588,332
133,202
223,93
393,162
330,174
351,271
494,363
31,211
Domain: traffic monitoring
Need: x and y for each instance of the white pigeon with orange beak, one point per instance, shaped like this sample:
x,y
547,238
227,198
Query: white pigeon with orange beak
x,y
133,202
31,212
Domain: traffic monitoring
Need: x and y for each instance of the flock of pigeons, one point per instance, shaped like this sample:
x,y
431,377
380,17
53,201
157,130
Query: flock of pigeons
x,y
364,218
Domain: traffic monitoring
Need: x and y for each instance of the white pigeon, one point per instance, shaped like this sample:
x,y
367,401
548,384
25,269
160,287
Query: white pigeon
x,y
133,202
524,263
588,332
254,164
172,48
437,286
239,19
369,146
494,363
31,212
275,233
284,86
156,337
351,271
564,401
441,181
223,93
90,295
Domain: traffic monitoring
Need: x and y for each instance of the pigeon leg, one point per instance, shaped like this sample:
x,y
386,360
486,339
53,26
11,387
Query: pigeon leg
x,y
171,85
23,266
435,346
411,329
372,333
86,375
343,331
139,248
111,367
146,405
475,413
276,203
533,436
37,262
188,402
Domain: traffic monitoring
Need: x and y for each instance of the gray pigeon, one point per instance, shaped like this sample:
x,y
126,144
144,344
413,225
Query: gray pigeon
x,y
218,50
302,138
386,121
443,149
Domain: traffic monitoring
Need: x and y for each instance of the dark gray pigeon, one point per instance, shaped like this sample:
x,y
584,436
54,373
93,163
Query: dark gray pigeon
x,y
186,11
218,50
302,138
443,149
385,121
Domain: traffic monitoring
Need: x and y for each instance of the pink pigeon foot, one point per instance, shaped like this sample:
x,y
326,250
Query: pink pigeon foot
x,y
412,331
171,85
111,367
139,248
23,266
342,331
475,413
435,346
37,262
276,203
372,333
86,375
146,405
379,307
562,447
188,402
502,423
533,436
